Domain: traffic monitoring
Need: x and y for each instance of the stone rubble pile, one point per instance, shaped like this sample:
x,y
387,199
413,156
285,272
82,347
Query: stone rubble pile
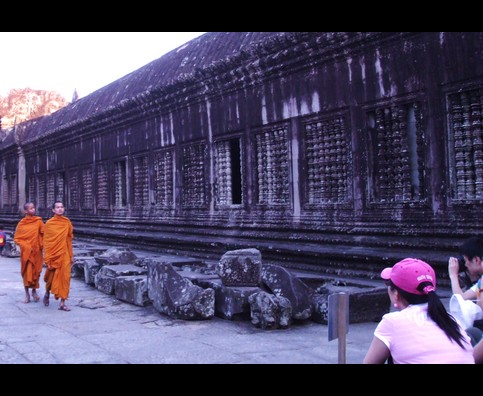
x,y
238,288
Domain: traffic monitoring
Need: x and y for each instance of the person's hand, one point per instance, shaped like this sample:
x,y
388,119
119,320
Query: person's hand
x,y
453,267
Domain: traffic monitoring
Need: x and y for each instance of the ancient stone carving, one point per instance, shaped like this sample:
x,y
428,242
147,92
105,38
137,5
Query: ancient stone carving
x,y
194,194
120,187
41,197
272,167
87,199
132,289
176,296
163,178
140,180
102,187
116,255
282,283
10,189
50,189
269,311
32,189
105,279
73,183
465,109
231,302
240,267
327,161
397,163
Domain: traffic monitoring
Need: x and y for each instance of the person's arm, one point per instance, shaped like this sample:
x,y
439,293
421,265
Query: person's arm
x,y
478,352
378,352
41,235
477,289
453,268
70,237
19,239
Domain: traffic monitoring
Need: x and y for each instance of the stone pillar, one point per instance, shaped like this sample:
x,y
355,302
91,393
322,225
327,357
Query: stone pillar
x,y
21,172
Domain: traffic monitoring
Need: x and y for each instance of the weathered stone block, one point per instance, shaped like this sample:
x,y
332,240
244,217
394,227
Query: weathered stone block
x,y
320,313
116,256
176,261
77,269
123,270
284,284
269,311
132,289
104,283
231,302
366,304
240,267
106,276
87,251
91,268
176,296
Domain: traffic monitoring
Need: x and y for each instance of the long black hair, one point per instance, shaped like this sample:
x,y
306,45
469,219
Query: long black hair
x,y
436,311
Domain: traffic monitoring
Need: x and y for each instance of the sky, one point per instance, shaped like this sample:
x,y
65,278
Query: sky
x,y
82,61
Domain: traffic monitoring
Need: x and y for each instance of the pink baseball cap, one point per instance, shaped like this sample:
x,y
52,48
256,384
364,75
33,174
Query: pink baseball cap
x,y
409,273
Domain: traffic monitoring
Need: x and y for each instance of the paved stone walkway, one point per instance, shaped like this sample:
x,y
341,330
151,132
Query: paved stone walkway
x,y
101,329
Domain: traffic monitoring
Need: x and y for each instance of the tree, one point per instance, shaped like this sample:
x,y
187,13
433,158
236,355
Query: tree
x,y
26,104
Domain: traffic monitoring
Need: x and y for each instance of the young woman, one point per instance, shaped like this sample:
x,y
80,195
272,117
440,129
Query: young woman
x,y
420,330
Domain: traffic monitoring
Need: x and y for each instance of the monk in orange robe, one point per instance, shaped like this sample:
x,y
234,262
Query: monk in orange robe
x,y
58,255
29,237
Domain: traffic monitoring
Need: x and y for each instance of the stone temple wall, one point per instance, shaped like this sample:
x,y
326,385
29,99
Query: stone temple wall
x,y
340,151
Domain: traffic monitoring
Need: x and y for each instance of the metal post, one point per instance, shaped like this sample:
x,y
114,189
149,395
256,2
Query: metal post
x,y
342,327
339,321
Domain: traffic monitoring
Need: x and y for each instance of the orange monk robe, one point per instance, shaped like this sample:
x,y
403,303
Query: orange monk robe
x,y
58,255
29,237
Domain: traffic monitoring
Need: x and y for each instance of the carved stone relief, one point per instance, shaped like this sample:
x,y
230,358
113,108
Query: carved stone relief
x,y
120,188
272,166
397,157
194,194
32,190
87,199
327,161
465,109
140,181
163,178
228,160
50,189
102,187
60,181
41,197
73,190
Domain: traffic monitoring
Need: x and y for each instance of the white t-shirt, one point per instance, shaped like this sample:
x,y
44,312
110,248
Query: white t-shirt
x,y
413,338
477,287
